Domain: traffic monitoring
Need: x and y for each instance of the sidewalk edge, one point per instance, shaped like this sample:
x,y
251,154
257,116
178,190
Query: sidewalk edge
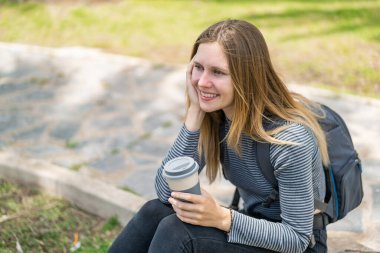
x,y
89,194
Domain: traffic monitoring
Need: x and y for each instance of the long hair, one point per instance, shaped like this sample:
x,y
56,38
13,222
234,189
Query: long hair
x,y
258,93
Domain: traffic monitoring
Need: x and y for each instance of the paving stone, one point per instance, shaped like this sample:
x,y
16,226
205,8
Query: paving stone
x,y
3,144
69,112
93,148
353,222
160,120
142,161
65,130
142,104
24,68
122,142
142,182
154,77
152,147
371,169
33,133
123,121
7,88
34,95
168,132
375,217
107,108
103,145
14,121
67,162
44,150
110,163
345,244
120,83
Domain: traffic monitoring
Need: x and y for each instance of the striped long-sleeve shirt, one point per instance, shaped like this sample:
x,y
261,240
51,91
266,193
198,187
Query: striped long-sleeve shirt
x,y
298,170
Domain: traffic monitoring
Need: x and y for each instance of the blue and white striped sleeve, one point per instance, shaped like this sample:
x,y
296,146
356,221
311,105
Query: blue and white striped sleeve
x,y
293,170
186,144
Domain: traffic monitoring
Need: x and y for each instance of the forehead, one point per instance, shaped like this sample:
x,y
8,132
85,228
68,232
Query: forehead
x,y
211,54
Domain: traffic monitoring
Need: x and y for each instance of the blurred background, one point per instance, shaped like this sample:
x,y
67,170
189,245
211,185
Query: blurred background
x,y
334,44
97,87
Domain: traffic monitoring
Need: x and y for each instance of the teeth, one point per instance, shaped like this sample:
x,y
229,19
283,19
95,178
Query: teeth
x,y
208,95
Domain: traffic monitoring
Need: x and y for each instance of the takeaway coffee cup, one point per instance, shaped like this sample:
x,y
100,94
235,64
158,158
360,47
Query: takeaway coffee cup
x,y
181,174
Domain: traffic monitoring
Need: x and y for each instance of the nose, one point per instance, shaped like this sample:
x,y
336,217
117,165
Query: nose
x,y
204,80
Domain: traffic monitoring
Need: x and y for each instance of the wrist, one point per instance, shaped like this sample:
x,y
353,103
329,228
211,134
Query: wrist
x,y
226,223
194,118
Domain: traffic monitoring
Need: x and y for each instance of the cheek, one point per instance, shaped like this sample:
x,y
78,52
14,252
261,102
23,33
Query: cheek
x,y
228,89
196,75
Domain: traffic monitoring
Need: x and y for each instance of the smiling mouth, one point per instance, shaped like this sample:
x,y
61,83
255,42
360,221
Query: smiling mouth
x,y
208,95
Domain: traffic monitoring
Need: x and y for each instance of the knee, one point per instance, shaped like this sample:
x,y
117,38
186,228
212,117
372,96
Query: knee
x,y
152,208
172,223
170,236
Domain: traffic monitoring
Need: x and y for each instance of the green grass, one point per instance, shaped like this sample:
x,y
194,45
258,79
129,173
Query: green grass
x,y
41,223
336,43
77,166
130,190
71,144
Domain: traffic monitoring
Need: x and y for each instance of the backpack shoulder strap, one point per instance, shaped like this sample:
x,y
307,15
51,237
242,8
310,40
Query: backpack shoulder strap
x,y
262,150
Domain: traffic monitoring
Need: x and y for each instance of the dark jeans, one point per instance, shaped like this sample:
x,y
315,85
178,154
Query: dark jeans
x,y
156,229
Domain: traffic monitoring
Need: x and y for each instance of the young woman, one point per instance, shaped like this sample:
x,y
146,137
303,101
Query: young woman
x,y
233,88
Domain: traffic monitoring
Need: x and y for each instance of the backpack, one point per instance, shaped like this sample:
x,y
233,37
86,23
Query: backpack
x,y
344,188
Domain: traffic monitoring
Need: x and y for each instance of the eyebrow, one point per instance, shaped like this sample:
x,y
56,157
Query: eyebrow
x,y
215,67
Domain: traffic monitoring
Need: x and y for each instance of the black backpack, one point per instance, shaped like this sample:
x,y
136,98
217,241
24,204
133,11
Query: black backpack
x,y
344,189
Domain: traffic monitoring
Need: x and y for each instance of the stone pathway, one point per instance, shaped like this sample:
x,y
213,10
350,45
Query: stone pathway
x,y
114,118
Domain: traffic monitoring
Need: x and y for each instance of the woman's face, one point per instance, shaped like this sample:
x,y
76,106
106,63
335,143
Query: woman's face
x,y
212,80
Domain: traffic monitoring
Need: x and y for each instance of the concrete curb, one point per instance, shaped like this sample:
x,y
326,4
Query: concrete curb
x,y
89,194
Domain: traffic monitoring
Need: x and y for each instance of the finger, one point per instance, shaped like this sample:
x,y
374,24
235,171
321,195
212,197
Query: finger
x,y
188,217
188,220
187,214
183,205
193,198
179,203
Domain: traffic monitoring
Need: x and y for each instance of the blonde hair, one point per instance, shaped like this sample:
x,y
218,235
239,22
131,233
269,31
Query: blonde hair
x,y
259,94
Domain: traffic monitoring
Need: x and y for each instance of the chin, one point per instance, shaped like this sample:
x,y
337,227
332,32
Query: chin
x,y
208,109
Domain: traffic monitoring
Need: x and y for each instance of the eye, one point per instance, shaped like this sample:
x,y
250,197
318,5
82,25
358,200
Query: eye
x,y
198,66
218,72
